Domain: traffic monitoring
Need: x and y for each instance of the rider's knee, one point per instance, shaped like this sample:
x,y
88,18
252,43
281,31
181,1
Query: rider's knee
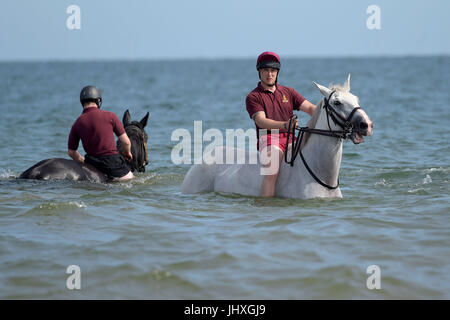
x,y
271,157
128,176
271,177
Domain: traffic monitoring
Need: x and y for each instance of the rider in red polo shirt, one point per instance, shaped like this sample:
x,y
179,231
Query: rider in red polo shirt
x,y
271,106
96,129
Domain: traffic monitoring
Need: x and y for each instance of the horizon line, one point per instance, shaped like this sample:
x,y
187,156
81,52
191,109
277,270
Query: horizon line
x,y
200,58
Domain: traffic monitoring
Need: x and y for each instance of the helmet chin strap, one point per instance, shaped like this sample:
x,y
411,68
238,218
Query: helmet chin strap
x,y
270,85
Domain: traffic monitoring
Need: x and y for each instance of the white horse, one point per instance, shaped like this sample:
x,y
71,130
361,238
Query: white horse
x,y
322,154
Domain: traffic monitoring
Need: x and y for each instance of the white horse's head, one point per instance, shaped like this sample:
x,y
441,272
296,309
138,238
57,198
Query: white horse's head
x,y
344,102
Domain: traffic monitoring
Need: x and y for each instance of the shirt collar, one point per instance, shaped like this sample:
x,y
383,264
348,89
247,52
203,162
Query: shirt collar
x,y
89,109
261,88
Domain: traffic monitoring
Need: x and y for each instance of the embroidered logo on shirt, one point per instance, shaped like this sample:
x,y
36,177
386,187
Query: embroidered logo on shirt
x,y
285,99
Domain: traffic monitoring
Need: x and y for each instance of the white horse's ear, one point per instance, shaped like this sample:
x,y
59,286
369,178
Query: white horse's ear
x,y
323,90
347,84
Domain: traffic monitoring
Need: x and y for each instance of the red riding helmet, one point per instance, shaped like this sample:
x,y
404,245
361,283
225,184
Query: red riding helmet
x,y
268,60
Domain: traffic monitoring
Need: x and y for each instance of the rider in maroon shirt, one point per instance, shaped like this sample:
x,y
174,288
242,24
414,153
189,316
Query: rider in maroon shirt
x,y
96,130
271,106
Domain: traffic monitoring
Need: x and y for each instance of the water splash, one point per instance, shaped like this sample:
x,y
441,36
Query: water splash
x,y
440,169
61,205
382,182
427,179
8,174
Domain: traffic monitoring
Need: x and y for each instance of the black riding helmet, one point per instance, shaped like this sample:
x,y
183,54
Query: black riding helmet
x,y
91,93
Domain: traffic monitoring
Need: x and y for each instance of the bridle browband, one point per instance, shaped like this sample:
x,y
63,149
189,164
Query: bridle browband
x,y
344,123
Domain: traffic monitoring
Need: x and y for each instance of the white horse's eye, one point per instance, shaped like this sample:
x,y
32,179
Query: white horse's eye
x,y
337,103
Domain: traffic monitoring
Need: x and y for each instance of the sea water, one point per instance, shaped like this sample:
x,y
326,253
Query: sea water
x,y
144,239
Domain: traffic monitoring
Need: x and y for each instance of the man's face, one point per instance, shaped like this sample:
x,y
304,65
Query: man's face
x,y
268,76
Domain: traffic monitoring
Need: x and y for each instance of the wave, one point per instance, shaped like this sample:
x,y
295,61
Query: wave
x,y
440,169
427,180
50,208
157,178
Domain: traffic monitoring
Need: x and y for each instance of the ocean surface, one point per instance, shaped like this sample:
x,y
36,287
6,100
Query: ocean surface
x,y
146,240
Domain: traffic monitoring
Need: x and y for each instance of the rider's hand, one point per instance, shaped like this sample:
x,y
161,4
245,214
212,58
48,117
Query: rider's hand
x,y
286,125
127,155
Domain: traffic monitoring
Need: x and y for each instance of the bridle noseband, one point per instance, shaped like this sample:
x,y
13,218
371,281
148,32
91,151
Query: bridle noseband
x,y
344,123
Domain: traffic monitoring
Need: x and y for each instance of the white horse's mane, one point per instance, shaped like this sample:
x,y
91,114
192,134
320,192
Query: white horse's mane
x,y
312,122
342,89
339,88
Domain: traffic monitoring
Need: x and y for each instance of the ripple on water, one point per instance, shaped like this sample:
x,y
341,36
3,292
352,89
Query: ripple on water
x,y
145,281
440,170
55,208
276,222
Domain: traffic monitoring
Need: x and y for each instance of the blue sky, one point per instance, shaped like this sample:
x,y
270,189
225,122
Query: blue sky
x,y
176,29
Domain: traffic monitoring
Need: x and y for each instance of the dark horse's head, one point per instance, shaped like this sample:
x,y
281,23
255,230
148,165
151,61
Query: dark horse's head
x,y
138,137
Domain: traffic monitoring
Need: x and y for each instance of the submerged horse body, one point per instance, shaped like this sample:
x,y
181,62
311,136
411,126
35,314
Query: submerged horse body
x,y
60,168
322,153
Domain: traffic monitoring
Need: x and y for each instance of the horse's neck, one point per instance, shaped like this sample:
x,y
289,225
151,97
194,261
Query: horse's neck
x,y
323,153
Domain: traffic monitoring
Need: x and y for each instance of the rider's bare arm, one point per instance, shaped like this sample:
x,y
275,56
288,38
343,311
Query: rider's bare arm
x,y
126,143
264,123
308,107
269,124
75,155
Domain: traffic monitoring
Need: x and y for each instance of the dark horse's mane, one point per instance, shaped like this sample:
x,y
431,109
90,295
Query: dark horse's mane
x,y
138,138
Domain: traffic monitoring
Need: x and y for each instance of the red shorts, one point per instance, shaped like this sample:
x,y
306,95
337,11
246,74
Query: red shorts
x,y
277,140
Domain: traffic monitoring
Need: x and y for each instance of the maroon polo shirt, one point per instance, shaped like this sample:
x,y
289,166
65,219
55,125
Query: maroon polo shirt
x,y
278,105
96,130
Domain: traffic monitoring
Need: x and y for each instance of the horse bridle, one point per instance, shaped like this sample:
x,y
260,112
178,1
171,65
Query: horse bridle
x,y
344,123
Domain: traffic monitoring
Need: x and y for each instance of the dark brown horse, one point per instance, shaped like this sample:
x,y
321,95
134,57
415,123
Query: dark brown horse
x,y
59,168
